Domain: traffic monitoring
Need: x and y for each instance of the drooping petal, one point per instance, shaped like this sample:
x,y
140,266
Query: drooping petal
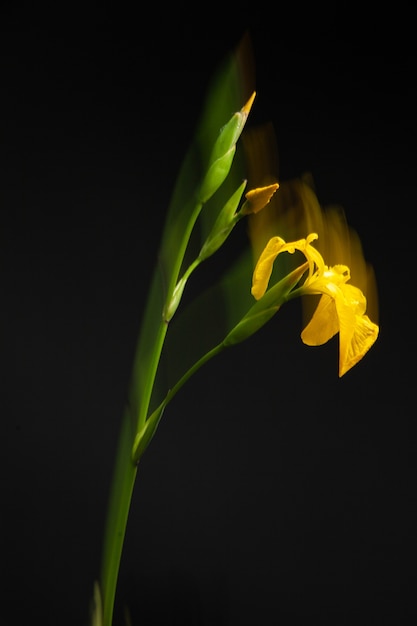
x,y
263,268
323,325
275,246
364,335
341,309
357,332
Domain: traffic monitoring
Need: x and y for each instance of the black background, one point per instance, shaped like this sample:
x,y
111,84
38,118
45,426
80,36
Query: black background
x,y
274,492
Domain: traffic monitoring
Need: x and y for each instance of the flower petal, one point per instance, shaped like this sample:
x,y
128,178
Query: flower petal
x,y
341,309
263,268
364,335
357,333
323,325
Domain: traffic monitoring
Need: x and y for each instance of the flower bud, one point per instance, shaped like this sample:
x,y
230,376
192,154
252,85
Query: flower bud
x,y
223,152
216,175
231,131
223,225
257,199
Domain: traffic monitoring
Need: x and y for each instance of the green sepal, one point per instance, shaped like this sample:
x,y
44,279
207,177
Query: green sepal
x,y
223,225
265,308
145,435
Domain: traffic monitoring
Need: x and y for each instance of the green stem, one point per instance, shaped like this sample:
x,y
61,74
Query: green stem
x,y
175,389
144,437
191,269
160,337
179,257
118,511
121,491
121,496
152,370
209,355
125,470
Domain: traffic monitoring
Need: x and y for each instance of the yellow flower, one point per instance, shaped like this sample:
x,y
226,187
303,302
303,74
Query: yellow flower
x,y
341,308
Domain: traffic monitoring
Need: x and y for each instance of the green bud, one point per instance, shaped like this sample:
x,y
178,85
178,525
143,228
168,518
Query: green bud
x,y
216,174
223,225
223,152
265,308
231,131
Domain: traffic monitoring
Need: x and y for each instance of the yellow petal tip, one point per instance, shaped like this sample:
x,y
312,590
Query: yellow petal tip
x,y
247,107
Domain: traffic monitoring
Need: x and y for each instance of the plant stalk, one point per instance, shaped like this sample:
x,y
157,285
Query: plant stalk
x,y
118,512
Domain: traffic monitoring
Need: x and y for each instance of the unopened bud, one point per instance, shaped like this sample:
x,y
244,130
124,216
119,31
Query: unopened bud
x,y
257,199
223,225
223,152
216,174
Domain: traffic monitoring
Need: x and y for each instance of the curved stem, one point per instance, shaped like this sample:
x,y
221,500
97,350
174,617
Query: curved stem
x,y
175,389
209,355
144,437
121,495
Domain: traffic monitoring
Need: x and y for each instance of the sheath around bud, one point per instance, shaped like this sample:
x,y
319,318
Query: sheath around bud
x,y
216,175
223,152
230,132
223,225
145,435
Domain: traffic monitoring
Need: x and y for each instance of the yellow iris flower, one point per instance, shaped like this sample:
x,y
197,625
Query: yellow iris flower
x,y
341,308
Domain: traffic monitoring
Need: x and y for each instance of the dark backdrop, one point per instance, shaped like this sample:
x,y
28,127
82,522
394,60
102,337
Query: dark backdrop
x,y
274,493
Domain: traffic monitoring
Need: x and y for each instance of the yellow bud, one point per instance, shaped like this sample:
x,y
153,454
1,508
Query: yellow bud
x,y
257,199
